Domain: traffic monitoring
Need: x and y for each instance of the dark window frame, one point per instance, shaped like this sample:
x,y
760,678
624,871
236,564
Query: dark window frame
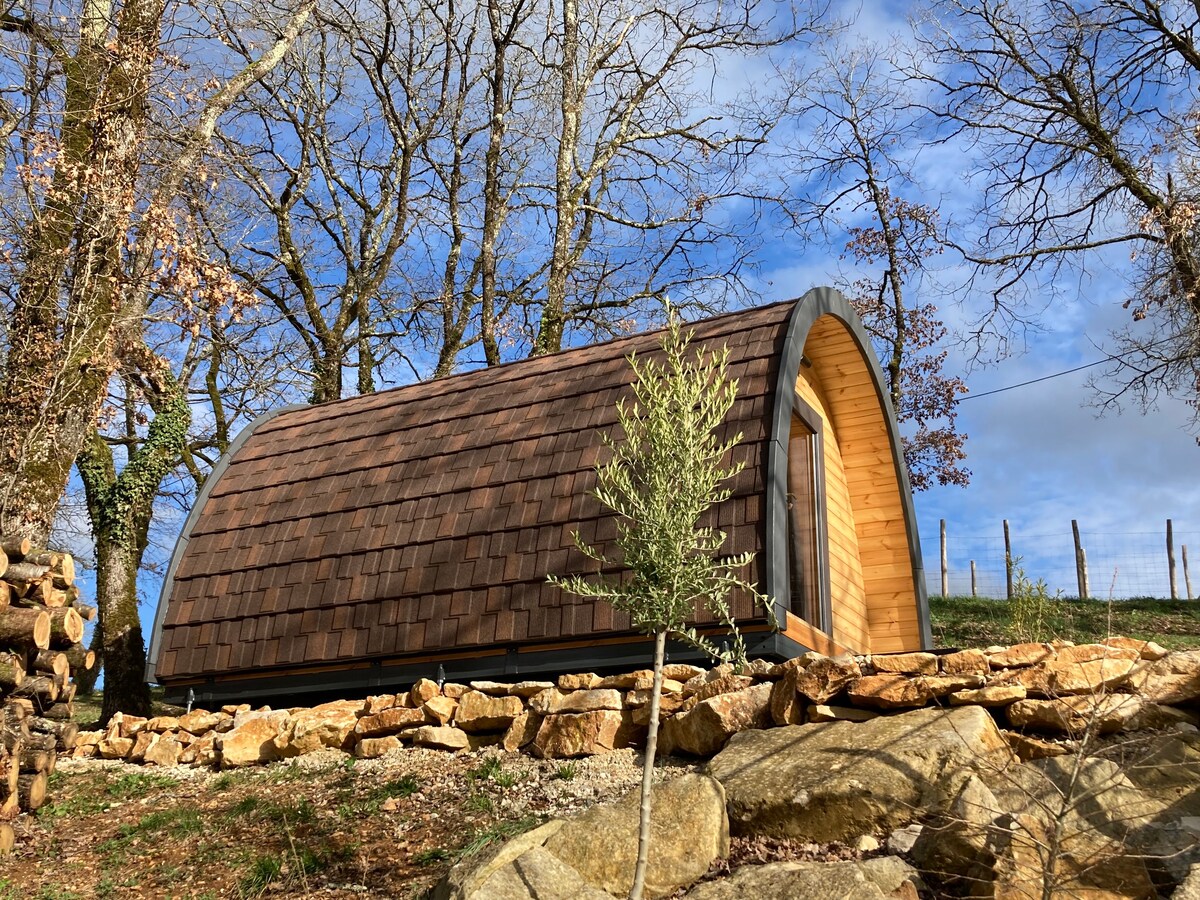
x,y
822,602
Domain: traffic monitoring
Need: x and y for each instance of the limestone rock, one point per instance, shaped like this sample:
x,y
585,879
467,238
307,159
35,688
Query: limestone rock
x,y
819,712
668,705
1019,655
253,741
553,701
537,874
454,690
465,881
725,685
577,734
888,692
165,751
141,743
1173,679
373,748
836,780
787,706
992,695
441,737
200,752
114,748
1081,653
826,676
1028,747
965,662
642,679
944,685
390,721
704,729
906,663
492,688
1087,676
477,712
522,731
681,672
373,706
1034,679
440,709
1071,715
871,879
425,689
329,725
951,844
688,827
163,723
527,689
584,681
1145,649
1189,889
199,721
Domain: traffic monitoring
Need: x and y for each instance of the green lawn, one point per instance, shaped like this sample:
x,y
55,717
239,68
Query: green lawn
x,y
974,622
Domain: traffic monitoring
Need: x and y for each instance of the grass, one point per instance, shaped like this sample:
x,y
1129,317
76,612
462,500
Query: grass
x,y
567,771
979,622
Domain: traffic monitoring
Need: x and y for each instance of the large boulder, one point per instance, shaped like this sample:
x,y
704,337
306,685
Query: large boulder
x,y
688,826
252,741
329,725
465,881
839,780
704,729
477,712
537,874
873,879
577,734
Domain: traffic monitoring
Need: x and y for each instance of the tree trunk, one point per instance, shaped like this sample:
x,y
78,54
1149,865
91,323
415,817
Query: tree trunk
x,y
643,857
125,688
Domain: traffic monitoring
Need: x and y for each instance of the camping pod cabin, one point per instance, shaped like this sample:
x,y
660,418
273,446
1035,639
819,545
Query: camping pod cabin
x,y
359,545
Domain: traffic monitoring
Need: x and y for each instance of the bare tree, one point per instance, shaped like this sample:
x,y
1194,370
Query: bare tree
x,y
850,181
1083,118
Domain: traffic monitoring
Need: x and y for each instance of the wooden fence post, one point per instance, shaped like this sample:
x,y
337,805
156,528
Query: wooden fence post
x,y
1083,571
1008,561
1187,576
972,578
1171,561
945,568
1079,577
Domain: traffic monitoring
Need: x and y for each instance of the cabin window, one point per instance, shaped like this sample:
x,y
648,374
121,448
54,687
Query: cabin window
x,y
807,557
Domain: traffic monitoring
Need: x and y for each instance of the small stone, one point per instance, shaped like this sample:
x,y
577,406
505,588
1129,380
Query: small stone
x,y
902,840
819,712
440,709
425,689
441,737
993,695
390,721
579,682
867,844
906,663
373,748
1029,748
965,662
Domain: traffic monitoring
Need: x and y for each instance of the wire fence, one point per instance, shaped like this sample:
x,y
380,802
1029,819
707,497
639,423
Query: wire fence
x,y
1119,565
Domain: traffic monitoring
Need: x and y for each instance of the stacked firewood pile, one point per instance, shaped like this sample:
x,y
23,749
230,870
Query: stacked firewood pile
x,y
41,629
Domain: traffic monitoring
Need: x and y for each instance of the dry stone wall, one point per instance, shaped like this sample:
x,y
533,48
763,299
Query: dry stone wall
x,y
1043,696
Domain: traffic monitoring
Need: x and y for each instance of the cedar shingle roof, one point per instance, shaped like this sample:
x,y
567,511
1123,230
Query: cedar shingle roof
x,y
426,518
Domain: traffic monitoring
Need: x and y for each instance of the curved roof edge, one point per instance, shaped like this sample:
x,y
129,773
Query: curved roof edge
x,y
818,302
181,542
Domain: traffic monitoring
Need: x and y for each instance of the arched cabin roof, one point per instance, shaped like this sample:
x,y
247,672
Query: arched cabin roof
x,y
421,522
